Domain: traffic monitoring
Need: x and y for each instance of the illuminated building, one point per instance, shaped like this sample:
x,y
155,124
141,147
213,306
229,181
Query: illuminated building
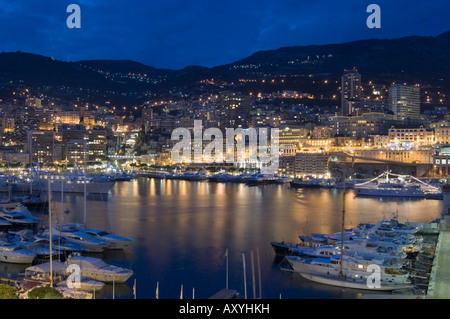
x,y
311,163
404,101
441,160
41,146
350,91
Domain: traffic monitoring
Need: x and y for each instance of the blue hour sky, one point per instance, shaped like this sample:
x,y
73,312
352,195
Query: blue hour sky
x,y
177,33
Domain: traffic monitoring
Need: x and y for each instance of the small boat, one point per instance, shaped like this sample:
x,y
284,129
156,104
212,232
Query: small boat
x,y
97,269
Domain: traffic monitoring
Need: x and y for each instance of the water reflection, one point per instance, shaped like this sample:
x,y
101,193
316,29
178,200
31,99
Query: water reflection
x,y
182,230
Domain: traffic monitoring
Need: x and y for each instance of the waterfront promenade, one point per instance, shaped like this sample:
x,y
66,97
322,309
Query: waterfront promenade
x,y
439,285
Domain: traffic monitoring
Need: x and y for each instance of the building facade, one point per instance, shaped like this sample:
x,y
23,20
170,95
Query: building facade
x,y
404,101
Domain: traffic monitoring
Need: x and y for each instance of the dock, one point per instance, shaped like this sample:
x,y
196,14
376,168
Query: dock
x,y
439,284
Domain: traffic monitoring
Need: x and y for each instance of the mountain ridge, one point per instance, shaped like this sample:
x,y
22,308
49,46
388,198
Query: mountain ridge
x,y
414,58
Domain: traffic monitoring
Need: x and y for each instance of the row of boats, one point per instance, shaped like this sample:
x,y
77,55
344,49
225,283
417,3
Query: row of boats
x,y
370,256
69,182
51,253
223,177
385,185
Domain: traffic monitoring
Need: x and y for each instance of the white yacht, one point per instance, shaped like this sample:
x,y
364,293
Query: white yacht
x,y
58,243
25,239
356,273
97,269
14,254
73,235
115,241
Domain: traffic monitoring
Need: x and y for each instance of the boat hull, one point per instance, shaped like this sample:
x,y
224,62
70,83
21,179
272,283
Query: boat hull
x,y
373,192
16,259
361,285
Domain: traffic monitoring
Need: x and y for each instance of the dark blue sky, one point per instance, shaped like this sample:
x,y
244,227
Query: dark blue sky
x,y
176,33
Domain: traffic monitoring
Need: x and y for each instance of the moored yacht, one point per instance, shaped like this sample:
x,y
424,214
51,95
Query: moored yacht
x,y
97,269
353,273
73,235
115,241
14,254
403,186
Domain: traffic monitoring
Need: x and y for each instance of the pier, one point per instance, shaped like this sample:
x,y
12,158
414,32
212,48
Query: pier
x,y
439,276
439,284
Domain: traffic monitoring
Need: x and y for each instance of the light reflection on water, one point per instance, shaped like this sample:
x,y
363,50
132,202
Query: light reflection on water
x,y
182,230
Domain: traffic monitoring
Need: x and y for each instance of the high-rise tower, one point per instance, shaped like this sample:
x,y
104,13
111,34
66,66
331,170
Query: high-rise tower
x,y
350,90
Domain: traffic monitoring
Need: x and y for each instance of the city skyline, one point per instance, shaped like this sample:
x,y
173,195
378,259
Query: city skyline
x,y
175,35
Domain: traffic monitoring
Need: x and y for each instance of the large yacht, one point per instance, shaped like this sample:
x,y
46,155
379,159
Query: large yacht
x,y
401,186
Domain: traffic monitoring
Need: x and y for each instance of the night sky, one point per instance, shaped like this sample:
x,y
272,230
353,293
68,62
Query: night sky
x,y
177,33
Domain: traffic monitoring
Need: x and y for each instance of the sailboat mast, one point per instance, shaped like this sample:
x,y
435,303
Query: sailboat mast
x,y
341,274
50,230
84,221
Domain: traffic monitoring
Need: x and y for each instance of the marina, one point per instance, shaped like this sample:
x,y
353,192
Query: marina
x,y
181,230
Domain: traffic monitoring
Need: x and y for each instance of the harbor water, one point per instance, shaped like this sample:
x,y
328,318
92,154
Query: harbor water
x,y
183,229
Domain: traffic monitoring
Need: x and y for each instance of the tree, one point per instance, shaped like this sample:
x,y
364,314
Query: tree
x,y
45,293
7,292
